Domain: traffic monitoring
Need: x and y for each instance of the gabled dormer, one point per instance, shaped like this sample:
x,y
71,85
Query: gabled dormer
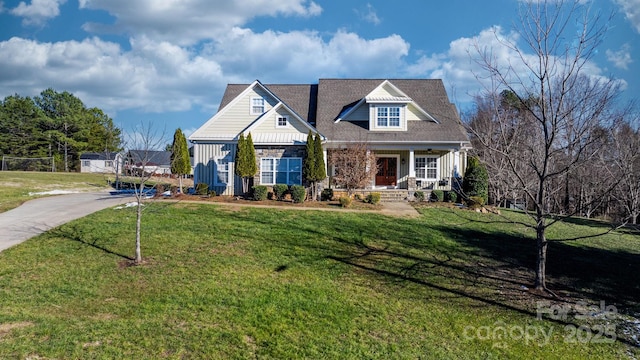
x,y
386,108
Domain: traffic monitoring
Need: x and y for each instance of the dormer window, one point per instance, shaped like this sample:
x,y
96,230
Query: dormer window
x,y
388,116
257,105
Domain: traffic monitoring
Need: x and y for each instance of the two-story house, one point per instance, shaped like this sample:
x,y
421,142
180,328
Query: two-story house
x,y
410,125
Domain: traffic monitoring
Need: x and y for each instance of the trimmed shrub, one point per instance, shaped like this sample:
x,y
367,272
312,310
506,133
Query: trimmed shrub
x,y
298,192
419,195
212,192
345,201
202,189
475,202
452,196
326,195
260,192
437,195
373,198
279,190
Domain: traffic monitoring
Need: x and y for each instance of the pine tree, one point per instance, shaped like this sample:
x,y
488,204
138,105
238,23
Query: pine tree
x,y
180,164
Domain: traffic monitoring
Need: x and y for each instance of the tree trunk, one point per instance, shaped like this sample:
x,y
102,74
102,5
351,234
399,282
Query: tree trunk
x,y
180,183
541,261
139,225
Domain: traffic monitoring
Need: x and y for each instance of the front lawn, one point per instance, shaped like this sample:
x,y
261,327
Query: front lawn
x,y
270,283
15,186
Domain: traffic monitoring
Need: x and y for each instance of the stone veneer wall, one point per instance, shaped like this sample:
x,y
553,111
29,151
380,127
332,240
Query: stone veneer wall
x,y
262,151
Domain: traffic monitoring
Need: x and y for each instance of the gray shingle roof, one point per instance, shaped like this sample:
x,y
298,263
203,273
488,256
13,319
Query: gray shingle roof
x,y
98,156
429,94
321,105
301,98
152,157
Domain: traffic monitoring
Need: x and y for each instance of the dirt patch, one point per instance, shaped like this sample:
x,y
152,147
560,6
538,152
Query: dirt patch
x,y
8,327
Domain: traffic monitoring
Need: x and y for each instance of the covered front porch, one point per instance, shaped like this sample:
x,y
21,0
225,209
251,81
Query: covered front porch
x,y
423,169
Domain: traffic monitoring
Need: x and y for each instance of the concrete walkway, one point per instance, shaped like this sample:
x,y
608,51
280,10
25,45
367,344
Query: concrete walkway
x,y
399,209
39,215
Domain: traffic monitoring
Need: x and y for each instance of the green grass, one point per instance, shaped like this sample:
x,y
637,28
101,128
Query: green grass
x,y
15,186
270,283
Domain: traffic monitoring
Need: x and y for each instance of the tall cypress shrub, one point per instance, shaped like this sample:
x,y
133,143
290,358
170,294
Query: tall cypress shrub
x,y
180,162
476,180
320,171
309,169
246,166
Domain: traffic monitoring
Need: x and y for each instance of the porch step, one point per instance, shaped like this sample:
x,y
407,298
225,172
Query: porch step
x,y
393,195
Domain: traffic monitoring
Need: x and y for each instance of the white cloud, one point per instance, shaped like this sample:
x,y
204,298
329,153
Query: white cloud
x,y
461,65
631,9
189,23
621,58
369,15
301,56
157,76
38,11
152,76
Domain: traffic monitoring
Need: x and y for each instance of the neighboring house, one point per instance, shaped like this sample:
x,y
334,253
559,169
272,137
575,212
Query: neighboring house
x,y
153,162
101,162
410,125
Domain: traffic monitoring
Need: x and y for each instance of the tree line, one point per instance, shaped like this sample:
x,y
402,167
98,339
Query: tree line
x,y
55,124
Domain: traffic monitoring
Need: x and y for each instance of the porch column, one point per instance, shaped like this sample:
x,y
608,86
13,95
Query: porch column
x,y
412,164
326,161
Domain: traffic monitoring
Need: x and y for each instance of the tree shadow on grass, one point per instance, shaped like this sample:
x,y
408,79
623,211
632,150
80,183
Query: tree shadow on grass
x,y
82,236
482,264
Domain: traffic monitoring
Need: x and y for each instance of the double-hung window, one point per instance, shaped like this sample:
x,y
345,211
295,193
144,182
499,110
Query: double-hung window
x,y
281,171
222,171
108,163
281,121
426,167
257,105
86,163
388,116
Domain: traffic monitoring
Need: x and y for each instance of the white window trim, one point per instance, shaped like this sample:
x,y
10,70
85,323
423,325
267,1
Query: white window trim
x,y
275,170
425,172
285,117
373,115
251,105
215,175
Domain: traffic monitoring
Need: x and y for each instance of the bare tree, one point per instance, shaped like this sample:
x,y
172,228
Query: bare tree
x,y
355,166
143,151
560,104
626,167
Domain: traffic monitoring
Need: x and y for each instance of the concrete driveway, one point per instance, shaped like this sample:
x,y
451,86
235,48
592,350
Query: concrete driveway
x,y
39,215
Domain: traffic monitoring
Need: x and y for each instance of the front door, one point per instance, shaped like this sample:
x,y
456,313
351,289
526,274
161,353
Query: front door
x,y
387,171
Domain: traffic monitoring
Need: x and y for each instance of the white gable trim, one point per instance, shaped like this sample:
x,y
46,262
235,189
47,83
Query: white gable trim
x,y
403,99
196,134
271,114
353,108
421,110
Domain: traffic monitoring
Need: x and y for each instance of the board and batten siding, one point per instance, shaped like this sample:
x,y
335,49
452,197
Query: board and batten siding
x,y
205,156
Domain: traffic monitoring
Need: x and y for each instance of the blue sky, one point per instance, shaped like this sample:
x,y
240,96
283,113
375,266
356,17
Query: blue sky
x,y
168,62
